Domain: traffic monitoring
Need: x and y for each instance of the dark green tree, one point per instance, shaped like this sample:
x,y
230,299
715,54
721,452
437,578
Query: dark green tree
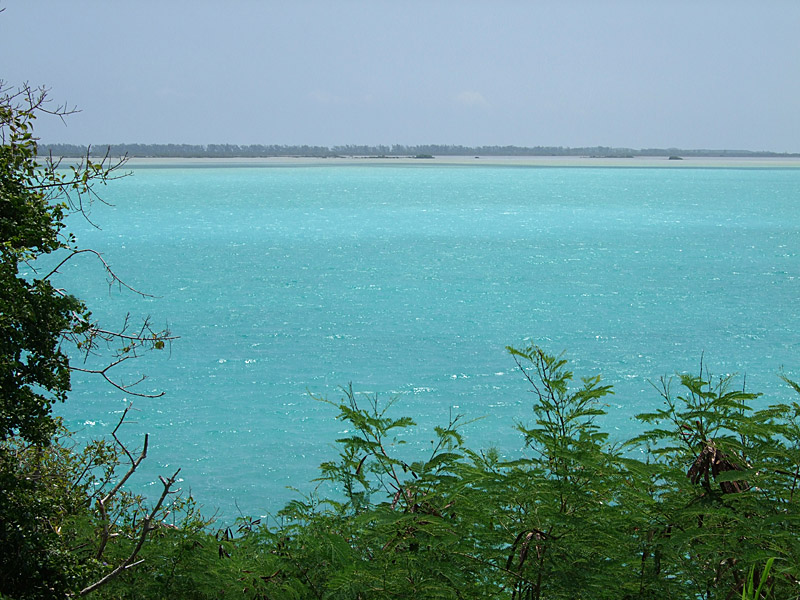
x,y
50,497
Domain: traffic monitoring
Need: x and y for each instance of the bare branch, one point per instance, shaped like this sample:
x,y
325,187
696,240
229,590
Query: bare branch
x,y
120,386
77,186
147,526
102,503
113,277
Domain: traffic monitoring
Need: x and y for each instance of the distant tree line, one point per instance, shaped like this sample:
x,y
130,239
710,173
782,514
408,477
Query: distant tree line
x,y
394,150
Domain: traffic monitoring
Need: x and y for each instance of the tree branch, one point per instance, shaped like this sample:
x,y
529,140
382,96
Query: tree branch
x,y
147,527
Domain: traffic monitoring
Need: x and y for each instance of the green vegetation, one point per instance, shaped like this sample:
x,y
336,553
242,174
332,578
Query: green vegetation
x,y
65,521
702,504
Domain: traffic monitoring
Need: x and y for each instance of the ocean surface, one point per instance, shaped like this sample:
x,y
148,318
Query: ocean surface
x,y
287,282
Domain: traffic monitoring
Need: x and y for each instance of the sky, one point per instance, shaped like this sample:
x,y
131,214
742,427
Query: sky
x,y
622,73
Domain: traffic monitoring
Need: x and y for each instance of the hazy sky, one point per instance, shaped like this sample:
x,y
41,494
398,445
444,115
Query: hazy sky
x,y
638,73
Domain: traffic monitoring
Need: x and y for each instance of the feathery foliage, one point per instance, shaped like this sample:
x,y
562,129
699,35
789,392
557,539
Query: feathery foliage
x,y
701,504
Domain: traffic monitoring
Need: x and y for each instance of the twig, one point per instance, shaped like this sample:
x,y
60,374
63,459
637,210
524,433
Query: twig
x,y
103,502
147,527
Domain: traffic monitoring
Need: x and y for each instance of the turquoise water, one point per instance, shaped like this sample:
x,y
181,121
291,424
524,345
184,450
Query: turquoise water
x,y
410,281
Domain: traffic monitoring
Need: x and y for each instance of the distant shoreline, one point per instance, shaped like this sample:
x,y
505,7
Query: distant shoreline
x,y
511,161
395,151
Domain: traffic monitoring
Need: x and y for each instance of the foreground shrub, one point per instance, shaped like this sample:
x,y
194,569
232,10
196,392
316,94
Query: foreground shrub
x,y
700,505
